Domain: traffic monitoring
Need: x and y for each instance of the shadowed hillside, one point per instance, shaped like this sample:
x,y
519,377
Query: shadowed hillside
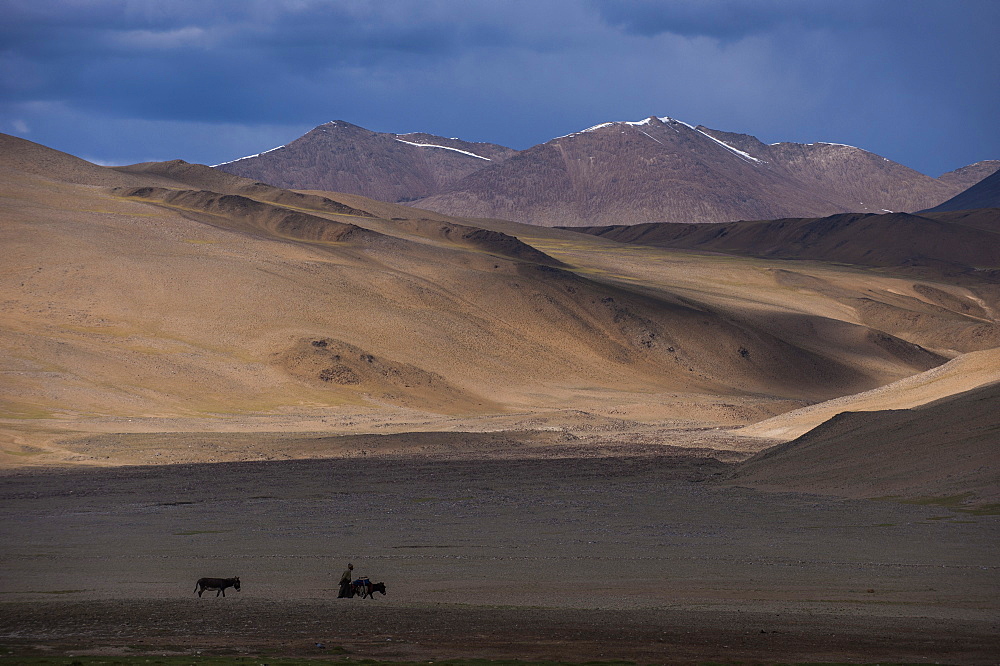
x,y
984,194
961,374
944,451
892,239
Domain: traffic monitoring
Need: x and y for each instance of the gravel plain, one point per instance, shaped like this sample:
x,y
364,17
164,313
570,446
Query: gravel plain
x,y
650,558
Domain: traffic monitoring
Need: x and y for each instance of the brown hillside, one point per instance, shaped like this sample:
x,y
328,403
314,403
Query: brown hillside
x,y
181,304
20,156
326,362
207,178
244,213
892,239
987,219
961,374
944,449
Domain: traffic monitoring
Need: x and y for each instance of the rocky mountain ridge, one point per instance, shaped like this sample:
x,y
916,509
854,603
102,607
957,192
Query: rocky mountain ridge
x,y
341,157
655,170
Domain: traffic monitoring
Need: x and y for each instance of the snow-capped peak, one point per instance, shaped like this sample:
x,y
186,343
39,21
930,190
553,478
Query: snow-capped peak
x,y
637,123
669,122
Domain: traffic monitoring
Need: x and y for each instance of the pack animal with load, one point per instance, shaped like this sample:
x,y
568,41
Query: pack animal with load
x,y
219,584
365,588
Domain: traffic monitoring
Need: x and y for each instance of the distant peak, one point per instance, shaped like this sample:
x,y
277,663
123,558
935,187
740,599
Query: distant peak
x,y
650,121
338,124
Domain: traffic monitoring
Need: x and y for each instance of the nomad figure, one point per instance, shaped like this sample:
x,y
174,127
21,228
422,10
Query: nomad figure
x,y
346,578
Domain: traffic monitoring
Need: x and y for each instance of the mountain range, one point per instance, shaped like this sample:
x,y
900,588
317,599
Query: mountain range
x,y
653,170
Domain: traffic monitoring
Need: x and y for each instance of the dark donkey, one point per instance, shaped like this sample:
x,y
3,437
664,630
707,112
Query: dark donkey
x,y
366,588
219,584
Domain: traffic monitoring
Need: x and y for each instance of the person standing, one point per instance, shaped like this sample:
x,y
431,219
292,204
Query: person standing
x,y
346,580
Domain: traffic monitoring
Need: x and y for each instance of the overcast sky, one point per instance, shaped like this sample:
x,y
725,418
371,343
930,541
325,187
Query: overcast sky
x,y
123,81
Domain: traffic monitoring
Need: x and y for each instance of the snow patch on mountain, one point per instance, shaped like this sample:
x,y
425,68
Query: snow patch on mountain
x,y
669,121
591,129
653,138
434,145
249,156
744,155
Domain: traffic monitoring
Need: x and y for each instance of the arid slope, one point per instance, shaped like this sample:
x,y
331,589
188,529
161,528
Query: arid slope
x,y
174,293
944,449
962,374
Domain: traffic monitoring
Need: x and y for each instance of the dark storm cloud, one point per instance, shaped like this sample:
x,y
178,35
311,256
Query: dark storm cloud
x,y
224,61
123,80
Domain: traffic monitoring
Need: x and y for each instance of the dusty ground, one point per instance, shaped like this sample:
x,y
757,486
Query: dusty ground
x,y
643,557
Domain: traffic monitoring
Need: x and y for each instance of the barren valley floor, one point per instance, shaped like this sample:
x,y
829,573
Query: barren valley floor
x,y
650,558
